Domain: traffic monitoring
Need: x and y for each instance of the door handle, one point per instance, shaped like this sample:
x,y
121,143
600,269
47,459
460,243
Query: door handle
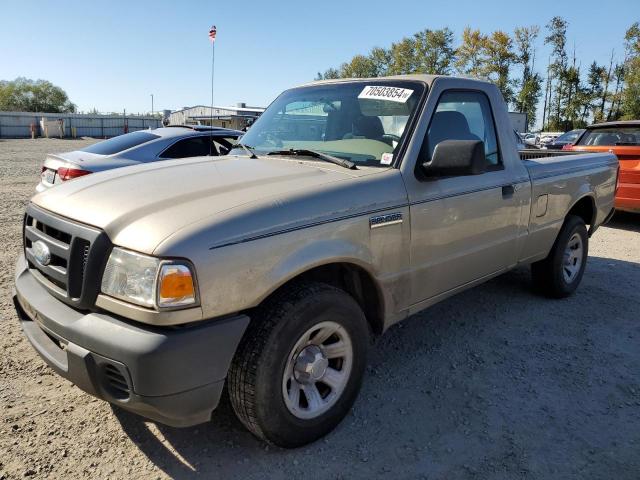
x,y
508,191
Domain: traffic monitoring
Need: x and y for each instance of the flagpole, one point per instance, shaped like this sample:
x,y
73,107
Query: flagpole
x,y
213,58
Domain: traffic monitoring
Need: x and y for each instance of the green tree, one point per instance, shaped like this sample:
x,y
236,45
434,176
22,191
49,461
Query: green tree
x,y
359,67
469,55
631,92
403,57
593,91
616,99
607,77
434,52
25,95
381,58
574,98
557,38
328,74
530,85
499,55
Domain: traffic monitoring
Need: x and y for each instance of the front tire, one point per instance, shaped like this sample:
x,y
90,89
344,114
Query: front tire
x,y
299,367
560,273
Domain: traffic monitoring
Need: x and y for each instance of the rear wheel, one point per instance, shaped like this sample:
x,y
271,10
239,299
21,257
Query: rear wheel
x,y
299,367
560,273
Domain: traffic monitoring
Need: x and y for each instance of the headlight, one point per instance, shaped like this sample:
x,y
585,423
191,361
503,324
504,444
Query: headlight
x,y
148,281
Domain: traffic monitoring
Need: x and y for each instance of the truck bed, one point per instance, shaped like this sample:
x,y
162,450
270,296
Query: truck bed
x,y
547,163
557,181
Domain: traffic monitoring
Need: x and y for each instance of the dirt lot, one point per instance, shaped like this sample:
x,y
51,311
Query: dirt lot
x,y
493,383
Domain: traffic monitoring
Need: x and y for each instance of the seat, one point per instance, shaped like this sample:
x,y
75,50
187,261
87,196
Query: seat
x,y
628,138
448,125
337,125
366,127
606,140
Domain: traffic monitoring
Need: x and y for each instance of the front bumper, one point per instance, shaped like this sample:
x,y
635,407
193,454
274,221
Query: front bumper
x,y
171,375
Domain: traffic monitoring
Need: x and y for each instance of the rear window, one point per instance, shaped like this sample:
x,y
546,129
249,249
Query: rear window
x,y
611,136
120,143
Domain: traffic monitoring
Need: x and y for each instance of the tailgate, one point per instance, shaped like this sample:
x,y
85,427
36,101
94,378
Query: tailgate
x,y
628,156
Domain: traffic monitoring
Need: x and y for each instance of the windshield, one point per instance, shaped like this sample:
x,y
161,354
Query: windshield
x,y
364,122
611,136
120,143
570,136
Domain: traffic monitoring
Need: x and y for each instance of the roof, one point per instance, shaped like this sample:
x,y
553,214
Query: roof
x,y
421,77
617,123
181,130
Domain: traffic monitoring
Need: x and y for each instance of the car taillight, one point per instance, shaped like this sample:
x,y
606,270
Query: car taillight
x,y
71,173
568,146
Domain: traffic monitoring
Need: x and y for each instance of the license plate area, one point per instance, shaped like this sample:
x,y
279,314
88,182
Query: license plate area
x,y
49,176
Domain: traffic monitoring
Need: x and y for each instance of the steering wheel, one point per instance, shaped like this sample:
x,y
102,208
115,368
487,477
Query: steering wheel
x,y
392,137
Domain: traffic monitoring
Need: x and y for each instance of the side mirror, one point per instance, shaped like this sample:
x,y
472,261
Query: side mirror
x,y
456,157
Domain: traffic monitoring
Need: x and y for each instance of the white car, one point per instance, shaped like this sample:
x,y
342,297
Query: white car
x,y
143,146
548,137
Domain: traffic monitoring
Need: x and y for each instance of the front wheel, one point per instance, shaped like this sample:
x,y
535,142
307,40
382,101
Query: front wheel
x,y
560,273
299,367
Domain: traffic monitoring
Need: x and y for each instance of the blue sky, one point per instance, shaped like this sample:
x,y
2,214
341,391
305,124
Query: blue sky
x,y
113,54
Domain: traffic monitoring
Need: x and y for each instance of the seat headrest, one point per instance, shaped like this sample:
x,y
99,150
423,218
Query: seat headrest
x,y
368,127
607,139
453,121
448,125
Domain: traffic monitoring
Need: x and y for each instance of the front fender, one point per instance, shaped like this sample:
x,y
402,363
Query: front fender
x,y
316,254
239,277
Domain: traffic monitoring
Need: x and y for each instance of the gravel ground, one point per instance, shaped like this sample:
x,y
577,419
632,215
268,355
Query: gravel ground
x,y
493,383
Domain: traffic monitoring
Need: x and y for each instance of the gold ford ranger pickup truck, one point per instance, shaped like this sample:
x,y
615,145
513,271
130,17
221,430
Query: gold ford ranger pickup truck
x,y
348,206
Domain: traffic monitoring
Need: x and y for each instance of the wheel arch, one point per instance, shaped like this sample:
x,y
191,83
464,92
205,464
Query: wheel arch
x,y
585,208
353,278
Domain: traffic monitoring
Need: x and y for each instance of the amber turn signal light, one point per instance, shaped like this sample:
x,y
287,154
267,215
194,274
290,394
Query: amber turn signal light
x,y
175,286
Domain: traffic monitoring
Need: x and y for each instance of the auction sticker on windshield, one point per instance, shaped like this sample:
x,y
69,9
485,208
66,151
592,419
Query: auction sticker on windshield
x,y
392,94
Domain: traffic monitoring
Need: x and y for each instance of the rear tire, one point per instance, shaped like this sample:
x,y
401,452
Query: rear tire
x,y
560,273
276,379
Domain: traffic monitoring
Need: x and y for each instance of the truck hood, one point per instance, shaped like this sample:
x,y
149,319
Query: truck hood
x,y
141,205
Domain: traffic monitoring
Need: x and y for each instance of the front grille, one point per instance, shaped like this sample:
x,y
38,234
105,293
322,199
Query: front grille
x,y
77,254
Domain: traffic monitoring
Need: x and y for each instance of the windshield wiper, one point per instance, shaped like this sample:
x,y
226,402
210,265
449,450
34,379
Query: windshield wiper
x,y
314,153
246,148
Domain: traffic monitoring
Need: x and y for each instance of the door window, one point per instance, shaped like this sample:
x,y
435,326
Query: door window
x,y
190,147
465,115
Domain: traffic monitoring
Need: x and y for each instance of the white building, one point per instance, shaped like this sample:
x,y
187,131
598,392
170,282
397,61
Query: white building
x,y
237,117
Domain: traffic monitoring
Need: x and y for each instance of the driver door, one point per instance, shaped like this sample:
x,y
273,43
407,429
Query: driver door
x,y
463,228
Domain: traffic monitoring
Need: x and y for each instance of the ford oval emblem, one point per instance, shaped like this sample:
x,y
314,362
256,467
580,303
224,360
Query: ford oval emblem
x,y
41,252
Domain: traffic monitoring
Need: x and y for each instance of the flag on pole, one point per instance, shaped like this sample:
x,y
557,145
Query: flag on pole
x,y
212,33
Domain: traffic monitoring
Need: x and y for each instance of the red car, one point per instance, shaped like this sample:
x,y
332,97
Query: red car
x,y
623,139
